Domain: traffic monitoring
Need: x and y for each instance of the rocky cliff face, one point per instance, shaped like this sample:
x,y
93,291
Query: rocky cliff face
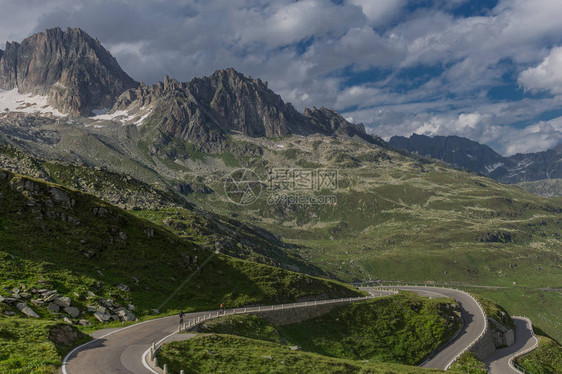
x,y
70,67
206,109
483,159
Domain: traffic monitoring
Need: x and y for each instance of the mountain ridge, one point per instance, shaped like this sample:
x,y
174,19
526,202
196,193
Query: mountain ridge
x,y
480,158
80,77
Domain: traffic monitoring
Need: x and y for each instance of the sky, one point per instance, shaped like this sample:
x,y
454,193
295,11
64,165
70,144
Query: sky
x,y
488,70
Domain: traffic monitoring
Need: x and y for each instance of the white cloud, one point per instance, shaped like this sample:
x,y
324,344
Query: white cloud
x,y
534,138
380,12
546,76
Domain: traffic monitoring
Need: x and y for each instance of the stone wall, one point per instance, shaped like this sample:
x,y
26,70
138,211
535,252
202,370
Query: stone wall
x,y
290,316
485,346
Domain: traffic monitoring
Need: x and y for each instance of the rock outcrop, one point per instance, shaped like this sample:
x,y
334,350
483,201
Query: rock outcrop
x,y
70,67
331,122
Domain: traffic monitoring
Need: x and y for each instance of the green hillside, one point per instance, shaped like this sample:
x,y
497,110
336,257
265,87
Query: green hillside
x,y
87,250
376,336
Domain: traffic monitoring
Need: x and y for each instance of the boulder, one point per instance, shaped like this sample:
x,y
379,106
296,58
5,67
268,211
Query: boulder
x,y
9,313
59,196
63,301
9,300
72,311
38,302
29,312
108,303
67,320
126,315
22,307
51,297
53,308
102,317
84,322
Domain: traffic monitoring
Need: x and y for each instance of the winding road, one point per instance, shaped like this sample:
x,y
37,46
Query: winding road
x,y
501,361
121,350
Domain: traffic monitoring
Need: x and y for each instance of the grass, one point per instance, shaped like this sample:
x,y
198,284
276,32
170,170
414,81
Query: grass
x,y
237,239
401,329
234,354
546,359
495,311
35,346
542,307
469,364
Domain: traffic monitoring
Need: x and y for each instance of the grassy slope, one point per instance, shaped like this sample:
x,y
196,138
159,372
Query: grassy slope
x,y
401,329
546,359
236,238
102,252
542,307
155,203
469,364
234,354
35,346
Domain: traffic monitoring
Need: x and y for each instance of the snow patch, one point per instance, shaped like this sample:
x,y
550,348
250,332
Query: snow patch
x,y
491,168
14,101
141,120
125,117
121,115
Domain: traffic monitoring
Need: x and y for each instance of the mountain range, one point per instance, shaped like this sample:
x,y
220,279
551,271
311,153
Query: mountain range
x,y
471,155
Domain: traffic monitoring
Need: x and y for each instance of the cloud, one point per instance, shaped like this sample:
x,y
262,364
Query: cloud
x,y
534,138
380,13
546,76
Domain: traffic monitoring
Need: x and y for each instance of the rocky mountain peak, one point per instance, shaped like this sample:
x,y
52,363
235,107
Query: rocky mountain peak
x,y
245,104
331,122
70,67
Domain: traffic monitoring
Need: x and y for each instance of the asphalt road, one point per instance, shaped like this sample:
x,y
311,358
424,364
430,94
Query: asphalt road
x,y
474,322
498,363
121,350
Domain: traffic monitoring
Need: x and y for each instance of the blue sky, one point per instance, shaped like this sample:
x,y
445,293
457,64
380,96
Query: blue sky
x,y
489,70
